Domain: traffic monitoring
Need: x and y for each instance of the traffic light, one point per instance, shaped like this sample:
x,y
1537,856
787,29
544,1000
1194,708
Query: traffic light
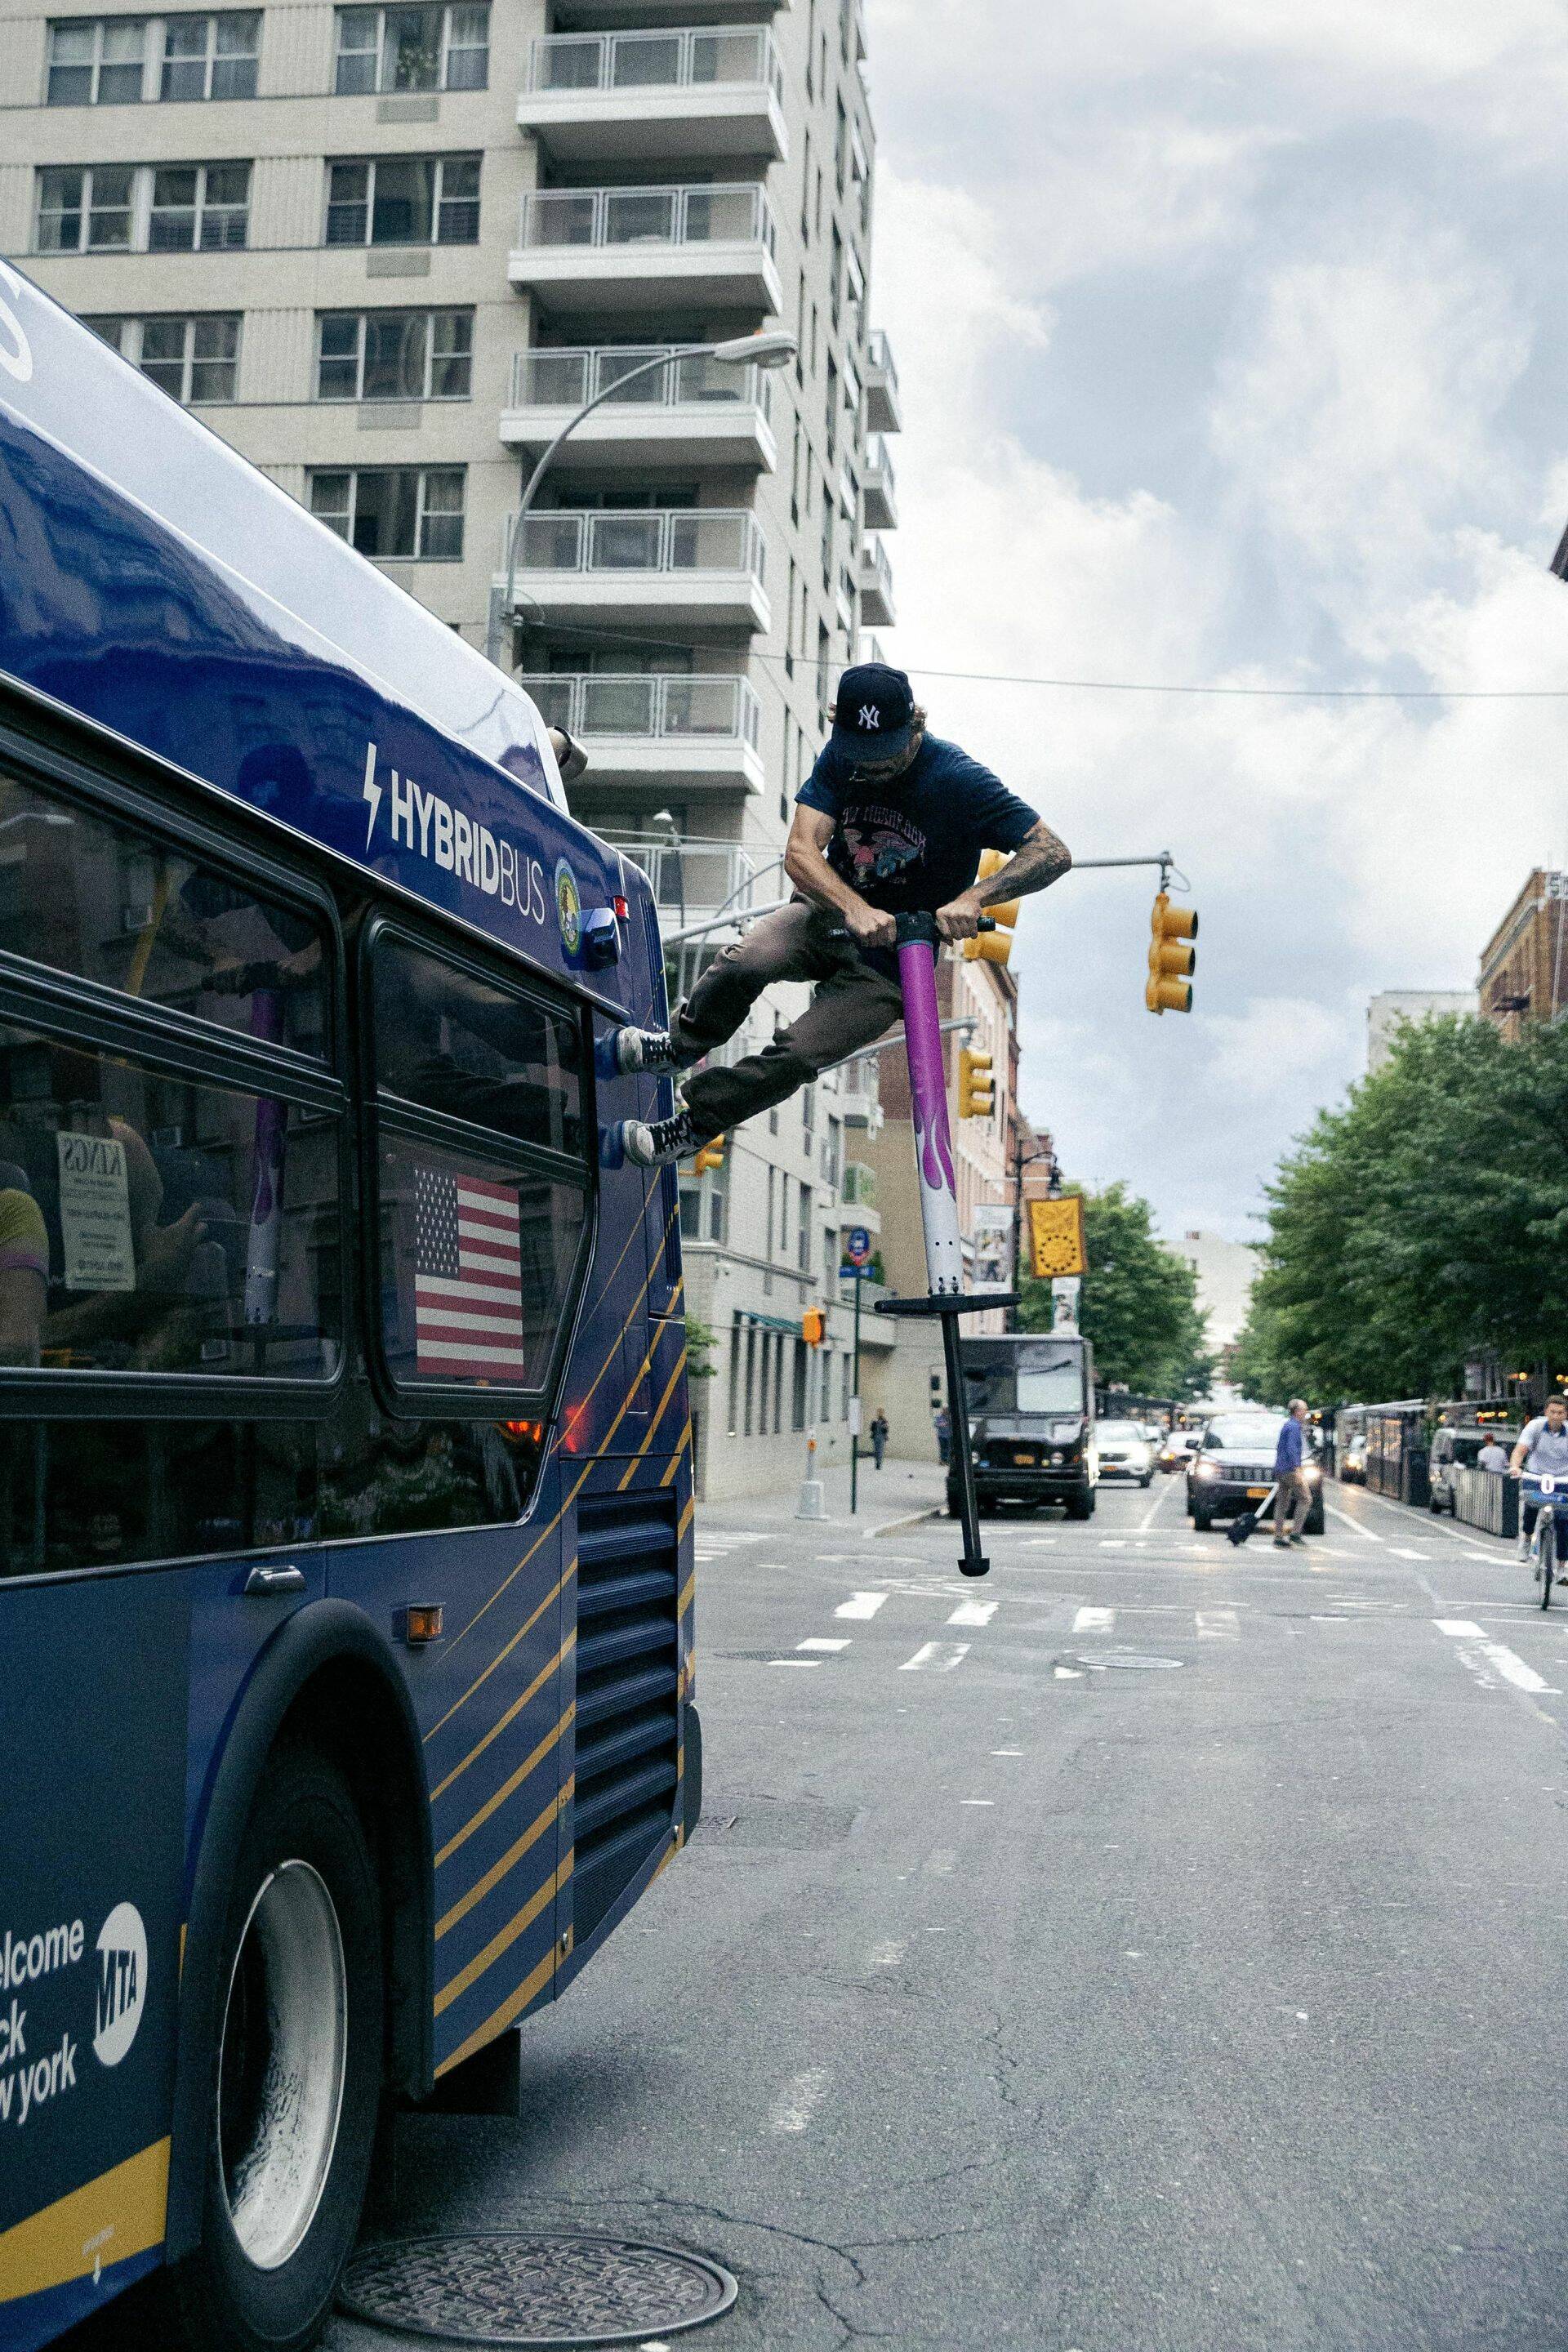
x,y
1171,957
994,947
814,1327
709,1155
976,1084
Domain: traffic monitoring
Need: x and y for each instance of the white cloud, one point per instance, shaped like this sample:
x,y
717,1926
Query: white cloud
x,y
1337,471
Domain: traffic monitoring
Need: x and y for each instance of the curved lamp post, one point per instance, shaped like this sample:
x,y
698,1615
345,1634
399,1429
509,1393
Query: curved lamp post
x,y
772,349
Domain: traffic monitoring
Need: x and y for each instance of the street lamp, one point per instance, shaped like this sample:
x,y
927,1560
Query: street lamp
x,y
1053,1190
774,347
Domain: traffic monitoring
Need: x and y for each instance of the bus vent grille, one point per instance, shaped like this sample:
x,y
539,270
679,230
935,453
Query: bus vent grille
x,y
628,1720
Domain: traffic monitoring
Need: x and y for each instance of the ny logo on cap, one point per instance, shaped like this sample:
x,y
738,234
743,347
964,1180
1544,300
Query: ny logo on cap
x,y
869,715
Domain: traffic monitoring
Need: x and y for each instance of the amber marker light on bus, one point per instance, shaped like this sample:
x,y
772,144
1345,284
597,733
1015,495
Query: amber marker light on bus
x,y
422,1624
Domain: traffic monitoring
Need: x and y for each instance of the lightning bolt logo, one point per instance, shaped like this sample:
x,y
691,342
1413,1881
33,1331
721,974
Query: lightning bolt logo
x,y
372,792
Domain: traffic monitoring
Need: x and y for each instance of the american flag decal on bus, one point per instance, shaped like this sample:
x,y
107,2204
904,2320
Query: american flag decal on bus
x,y
468,1280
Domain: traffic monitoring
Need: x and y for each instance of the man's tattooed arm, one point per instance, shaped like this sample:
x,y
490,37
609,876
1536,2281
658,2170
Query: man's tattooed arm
x,y
1039,860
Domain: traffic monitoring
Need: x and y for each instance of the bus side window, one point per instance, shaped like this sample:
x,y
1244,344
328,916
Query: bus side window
x,y
480,1177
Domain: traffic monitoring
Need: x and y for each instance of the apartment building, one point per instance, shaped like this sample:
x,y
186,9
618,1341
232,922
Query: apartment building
x,y
1523,974
388,252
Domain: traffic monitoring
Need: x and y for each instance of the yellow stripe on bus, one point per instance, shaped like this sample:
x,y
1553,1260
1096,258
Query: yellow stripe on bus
x,y
530,1763
106,2222
540,1679
658,1416
678,1457
508,1860
501,1941
509,2013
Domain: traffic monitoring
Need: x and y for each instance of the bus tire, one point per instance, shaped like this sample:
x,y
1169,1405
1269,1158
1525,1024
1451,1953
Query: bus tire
x,y
294,2073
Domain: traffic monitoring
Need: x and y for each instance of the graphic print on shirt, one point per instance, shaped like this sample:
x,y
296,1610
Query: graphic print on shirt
x,y
873,845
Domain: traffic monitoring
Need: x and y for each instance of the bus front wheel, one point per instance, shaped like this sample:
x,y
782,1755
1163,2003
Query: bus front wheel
x,y
295,2075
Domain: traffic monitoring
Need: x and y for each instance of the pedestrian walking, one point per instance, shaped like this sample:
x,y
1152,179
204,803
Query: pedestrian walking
x,y
1292,1491
1493,1456
890,821
878,1436
942,1423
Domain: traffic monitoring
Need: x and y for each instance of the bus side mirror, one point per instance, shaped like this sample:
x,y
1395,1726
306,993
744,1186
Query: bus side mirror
x,y
601,937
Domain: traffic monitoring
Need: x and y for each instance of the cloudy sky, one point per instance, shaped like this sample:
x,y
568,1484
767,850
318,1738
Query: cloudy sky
x,y
1233,342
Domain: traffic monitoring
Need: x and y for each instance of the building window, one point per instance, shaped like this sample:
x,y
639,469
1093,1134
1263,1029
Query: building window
x,y
413,48
395,513
394,354
403,200
137,208
193,360
803,1259
105,61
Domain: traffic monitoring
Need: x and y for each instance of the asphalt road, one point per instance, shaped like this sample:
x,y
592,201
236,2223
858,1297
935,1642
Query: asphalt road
x,y
1012,1996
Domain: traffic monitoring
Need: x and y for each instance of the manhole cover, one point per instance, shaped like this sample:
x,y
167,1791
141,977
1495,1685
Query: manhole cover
x,y
1139,1661
525,2286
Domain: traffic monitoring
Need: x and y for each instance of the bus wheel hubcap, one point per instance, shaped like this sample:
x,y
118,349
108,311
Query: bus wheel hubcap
x,y
281,2077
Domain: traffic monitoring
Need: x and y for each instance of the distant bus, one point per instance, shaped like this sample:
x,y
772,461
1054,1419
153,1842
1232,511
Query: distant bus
x,y
346,1486
1032,1422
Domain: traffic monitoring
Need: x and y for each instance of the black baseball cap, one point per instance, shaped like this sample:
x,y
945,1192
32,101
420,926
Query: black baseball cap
x,y
873,718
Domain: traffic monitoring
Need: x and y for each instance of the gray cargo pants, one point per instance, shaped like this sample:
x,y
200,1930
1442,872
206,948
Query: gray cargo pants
x,y
853,1004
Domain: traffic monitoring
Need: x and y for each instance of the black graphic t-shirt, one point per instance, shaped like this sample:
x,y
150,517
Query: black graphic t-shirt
x,y
915,841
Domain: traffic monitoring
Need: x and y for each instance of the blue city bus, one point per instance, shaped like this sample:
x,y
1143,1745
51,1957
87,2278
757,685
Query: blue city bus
x,y
346,1485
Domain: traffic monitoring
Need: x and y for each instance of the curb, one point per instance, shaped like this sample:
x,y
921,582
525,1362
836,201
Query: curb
x,y
909,1519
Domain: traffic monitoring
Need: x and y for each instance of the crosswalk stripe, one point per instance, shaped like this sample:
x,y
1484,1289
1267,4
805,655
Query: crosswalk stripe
x,y
1218,1625
1094,1621
860,1604
935,1657
974,1613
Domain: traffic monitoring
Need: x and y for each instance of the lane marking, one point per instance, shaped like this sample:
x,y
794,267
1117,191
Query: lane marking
x,y
1409,1555
1459,1629
978,1801
1218,1625
936,1657
799,2101
860,1604
1512,1669
1160,1495
887,1955
974,1613
1067,1674
822,1641
1094,1621
1006,1751
795,1661
1354,1525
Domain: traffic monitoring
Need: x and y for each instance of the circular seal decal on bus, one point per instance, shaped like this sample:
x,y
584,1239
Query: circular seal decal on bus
x,y
121,1983
568,906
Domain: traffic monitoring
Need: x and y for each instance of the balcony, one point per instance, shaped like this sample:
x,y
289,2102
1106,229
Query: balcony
x,y
687,567
648,248
859,1100
695,91
696,412
701,732
882,505
592,16
883,413
876,586
693,879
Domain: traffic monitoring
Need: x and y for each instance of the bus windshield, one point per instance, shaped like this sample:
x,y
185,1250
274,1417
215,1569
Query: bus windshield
x,y
1041,1376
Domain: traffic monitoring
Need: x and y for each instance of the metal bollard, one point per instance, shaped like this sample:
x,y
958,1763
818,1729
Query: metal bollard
x,y
813,1503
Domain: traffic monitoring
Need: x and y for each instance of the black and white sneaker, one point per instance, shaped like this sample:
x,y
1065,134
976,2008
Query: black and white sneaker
x,y
650,1049
667,1138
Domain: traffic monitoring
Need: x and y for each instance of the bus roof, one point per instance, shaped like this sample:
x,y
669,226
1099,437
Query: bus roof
x,y
153,581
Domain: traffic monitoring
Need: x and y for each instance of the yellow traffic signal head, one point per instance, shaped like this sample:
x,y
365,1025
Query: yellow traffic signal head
x,y
994,947
976,1084
710,1155
814,1327
1171,957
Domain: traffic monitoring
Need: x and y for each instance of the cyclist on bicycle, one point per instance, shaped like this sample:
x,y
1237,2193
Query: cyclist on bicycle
x,y
1541,1452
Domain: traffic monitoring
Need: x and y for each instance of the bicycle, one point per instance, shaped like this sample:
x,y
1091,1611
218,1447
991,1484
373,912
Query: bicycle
x,y
1548,1552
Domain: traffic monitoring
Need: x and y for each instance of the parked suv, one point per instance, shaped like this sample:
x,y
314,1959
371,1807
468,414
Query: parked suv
x,y
1455,1449
1233,1470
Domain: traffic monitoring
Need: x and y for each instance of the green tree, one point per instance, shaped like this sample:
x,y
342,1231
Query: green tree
x,y
1424,1219
1139,1301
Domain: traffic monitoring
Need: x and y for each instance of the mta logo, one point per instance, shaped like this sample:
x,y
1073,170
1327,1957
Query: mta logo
x,y
869,715
121,1983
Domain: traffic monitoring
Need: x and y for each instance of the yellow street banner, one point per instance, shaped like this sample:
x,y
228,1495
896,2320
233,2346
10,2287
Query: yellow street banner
x,y
1056,1236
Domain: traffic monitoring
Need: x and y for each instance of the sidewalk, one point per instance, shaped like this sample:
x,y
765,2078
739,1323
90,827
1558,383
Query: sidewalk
x,y
888,1496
